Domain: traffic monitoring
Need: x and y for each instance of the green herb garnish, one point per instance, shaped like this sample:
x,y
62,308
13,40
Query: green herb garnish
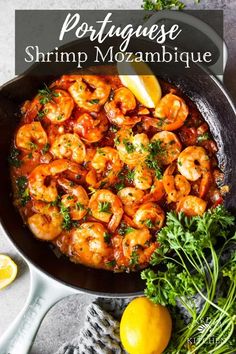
x,y
203,137
80,206
149,223
67,222
193,267
23,190
134,259
130,175
129,147
104,207
111,263
107,237
157,5
46,95
95,101
124,229
14,158
46,148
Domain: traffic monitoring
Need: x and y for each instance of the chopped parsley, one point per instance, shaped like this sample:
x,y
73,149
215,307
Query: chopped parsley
x,y
14,158
111,263
46,95
42,113
102,184
107,237
67,222
134,258
129,147
130,175
56,201
104,207
153,164
113,129
45,148
80,206
23,190
124,229
203,137
149,223
95,101
155,149
119,185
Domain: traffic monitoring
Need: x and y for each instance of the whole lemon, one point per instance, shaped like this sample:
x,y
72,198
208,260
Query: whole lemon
x,y
145,327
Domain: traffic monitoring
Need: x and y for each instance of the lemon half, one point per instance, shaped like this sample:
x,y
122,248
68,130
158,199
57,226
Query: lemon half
x,y
141,81
8,271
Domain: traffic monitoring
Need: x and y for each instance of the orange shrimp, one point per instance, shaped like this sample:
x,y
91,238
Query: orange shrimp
x,y
60,107
76,199
89,91
91,126
171,112
107,207
122,102
192,205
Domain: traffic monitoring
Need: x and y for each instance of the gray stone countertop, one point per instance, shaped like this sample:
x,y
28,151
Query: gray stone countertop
x,y
65,319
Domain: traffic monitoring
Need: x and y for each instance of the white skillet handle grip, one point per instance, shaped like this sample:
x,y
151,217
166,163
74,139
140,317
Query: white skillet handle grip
x,y
199,25
44,293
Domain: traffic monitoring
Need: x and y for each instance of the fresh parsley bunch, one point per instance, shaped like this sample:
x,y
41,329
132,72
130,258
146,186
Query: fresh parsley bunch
x,y
195,266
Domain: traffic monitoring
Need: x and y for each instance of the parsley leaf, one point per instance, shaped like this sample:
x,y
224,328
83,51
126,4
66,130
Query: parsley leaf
x,y
22,190
67,222
46,95
104,207
14,157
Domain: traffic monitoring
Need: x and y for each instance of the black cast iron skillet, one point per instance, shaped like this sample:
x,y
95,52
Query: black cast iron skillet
x,y
217,109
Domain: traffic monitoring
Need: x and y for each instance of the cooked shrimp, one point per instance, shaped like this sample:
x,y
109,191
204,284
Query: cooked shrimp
x,y
122,102
193,162
107,207
130,195
42,185
171,112
143,177
46,223
69,146
131,198
176,186
157,191
192,205
150,215
89,245
107,160
60,107
30,109
89,92
131,148
136,242
76,199
169,147
31,137
91,128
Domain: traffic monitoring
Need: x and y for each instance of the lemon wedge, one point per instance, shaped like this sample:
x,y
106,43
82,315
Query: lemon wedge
x,y
141,81
8,271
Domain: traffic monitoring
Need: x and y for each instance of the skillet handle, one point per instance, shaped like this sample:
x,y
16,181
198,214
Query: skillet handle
x,y
44,293
200,26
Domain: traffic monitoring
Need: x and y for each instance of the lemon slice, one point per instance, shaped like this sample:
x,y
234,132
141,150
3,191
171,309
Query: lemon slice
x,y
8,271
141,81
